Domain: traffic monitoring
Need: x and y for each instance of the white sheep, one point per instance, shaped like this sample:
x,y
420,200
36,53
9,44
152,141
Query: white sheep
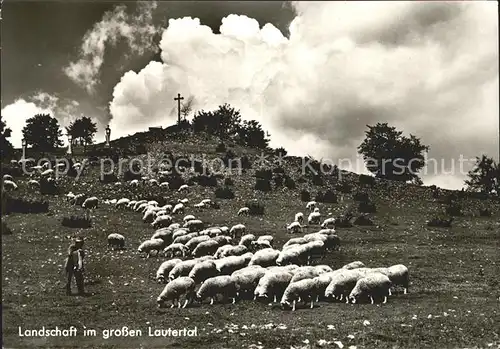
x,y
206,202
246,279
203,271
165,268
176,289
182,269
183,187
311,205
153,203
219,285
294,241
260,244
131,203
149,216
328,223
91,202
268,238
354,265
176,249
208,247
47,173
199,205
305,290
294,227
273,284
316,209
162,221
343,282
222,239
299,217
116,241
183,201
195,241
238,229
372,285
9,185
244,211
314,218
228,265
7,177
179,208
174,226
194,225
134,183
141,207
34,183
153,181
189,217
163,233
246,240
149,246
265,257
122,202
308,273
398,274
164,185
237,250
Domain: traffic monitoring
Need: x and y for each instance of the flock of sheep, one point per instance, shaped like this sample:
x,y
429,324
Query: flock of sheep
x,y
214,266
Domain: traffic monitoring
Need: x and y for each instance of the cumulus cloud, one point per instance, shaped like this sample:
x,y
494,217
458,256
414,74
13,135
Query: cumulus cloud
x,y
430,69
135,29
16,114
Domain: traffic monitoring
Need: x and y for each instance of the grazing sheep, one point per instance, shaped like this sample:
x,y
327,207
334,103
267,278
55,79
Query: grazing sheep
x,y
164,185
195,241
91,202
163,233
328,223
314,218
7,177
244,211
188,218
203,271
268,238
122,203
179,208
299,217
34,183
131,203
149,216
173,250
182,269
78,199
246,240
151,245
260,245
141,207
220,251
294,227
9,185
138,203
294,241
305,289
222,239
184,201
199,205
238,229
311,205
354,265
309,273
398,274
372,285
331,241
153,181
179,232
174,226
162,221
165,268
219,285
237,250
183,239
208,247
316,210
183,188
265,258
227,265
273,284
176,289
343,282
247,279
47,173
153,203
134,183
194,225
116,241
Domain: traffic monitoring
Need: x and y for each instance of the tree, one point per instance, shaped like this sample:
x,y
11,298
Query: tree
x,y
222,122
251,134
83,129
187,107
42,132
6,147
484,177
390,155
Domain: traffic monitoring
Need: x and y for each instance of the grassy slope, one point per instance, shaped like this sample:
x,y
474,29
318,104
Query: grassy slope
x,y
449,305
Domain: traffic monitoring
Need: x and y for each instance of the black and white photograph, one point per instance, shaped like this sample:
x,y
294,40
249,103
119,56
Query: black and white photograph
x,y
250,174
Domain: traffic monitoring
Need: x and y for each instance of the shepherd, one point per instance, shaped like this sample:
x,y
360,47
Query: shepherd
x,y
74,266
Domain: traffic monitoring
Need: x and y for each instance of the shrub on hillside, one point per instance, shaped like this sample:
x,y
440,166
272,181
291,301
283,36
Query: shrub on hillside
x,y
290,183
264,174
14,171
107,178
255,208
327,197
366,180
343,187
221,147
367,207
228,182
5,229
279,180
245,163
174,180
317,180
76,221
484,212
24,205
280,152
206,181
279,169
361,196
440,222
305,196
263,185
344,221
363,220
454,209
224,193
48,187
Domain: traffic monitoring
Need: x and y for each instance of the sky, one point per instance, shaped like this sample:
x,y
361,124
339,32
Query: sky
x,y
314,74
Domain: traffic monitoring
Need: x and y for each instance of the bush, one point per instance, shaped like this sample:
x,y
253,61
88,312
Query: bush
x,y
485,212
317,179
228,182
343,187
255,208
440,222
367,207
14,171
279,169
129,175
363,220
327,197
108,178
264,174
245,163
215,205
454,209
24,205
305,196
76,222
280,152
221,148
224,193
361,196
263,185
5,229
290,183
279,181
48,187
174,180
206,181
366,180
344,221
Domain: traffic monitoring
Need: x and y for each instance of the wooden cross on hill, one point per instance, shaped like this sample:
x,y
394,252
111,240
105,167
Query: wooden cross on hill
x,y
178,99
